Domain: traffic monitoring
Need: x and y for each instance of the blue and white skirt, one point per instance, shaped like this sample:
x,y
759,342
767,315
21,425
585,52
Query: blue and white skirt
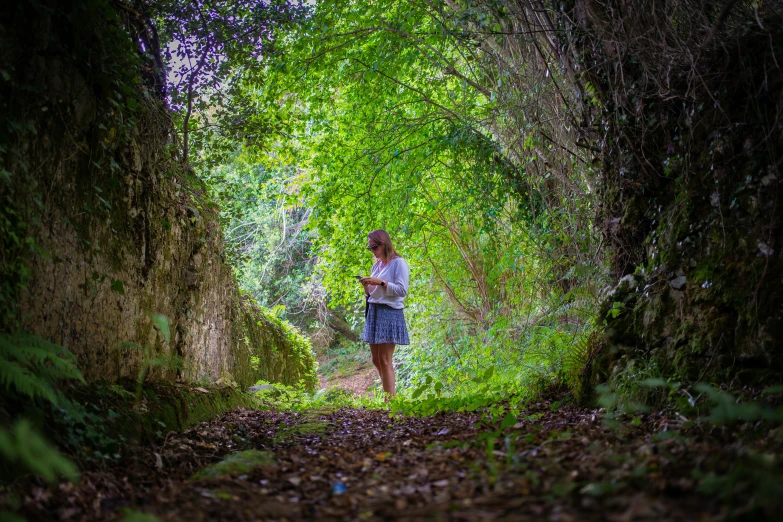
x,y
384,325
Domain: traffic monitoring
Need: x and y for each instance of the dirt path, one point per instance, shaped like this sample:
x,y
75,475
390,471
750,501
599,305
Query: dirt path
x,y
358,383
361,465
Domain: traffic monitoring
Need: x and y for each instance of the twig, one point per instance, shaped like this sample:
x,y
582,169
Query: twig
x,y
718,23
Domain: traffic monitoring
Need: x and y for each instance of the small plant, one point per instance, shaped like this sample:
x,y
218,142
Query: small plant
x,y
30,368
149,359
726,409
23,448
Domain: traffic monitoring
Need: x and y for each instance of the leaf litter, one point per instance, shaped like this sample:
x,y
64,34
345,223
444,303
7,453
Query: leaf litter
x,y
561,464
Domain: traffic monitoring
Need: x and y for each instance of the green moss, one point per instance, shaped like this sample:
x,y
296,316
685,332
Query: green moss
x,y
310,427
275,350
137,516
176,408
236,464
312,424
164,406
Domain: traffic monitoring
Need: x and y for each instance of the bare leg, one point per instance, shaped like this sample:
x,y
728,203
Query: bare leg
x,y
376,360
382,359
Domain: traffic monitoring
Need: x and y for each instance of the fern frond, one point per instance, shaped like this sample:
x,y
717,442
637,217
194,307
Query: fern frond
x,y
13,375
24,342
576,356
31,365
122,392
49,364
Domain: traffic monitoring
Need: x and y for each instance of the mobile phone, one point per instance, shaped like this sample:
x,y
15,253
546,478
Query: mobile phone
x,y
358,277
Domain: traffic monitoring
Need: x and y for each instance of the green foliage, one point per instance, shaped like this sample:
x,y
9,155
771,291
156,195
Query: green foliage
x,y
635,388
284,397
638,387
382,119
285,355
726,409
30,370
748,483
494,398
344,359
270,254
150,358
31,366
88,430
267,241
296,398
162,323
23,447
386,121
206,45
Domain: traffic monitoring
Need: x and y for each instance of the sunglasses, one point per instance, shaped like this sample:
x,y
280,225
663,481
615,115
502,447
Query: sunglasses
x,y
373,247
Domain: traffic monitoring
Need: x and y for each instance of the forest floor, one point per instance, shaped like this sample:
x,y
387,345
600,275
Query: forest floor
x,y
555,463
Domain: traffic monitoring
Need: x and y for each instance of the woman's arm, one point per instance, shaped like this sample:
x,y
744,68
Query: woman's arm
x,y
399,287
370,283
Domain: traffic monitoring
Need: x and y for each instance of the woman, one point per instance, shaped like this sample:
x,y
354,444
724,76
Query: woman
x,y
385,290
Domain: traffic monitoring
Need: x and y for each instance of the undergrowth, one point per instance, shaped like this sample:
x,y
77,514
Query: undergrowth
x,y
495,397
30,369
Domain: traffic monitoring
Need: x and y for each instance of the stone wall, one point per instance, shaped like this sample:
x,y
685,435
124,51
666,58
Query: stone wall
x,y
115,229
690,197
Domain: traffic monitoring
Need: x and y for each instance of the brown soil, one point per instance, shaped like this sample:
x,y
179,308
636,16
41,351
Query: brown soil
x,y
359,383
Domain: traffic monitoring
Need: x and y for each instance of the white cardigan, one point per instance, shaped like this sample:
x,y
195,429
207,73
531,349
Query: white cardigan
x,y
395,273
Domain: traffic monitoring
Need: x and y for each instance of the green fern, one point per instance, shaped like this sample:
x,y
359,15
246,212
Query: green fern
x,y
578,361
31,366
576,357
23,381
23,445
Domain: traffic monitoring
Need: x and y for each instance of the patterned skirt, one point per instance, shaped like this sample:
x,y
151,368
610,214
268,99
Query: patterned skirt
x,y
384,325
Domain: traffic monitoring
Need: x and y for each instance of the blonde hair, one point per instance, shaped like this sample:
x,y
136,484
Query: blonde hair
x,y
381,237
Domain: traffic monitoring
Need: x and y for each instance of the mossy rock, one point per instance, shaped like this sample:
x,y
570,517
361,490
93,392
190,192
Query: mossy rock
x,y
165,406
235,464
303,429
180,407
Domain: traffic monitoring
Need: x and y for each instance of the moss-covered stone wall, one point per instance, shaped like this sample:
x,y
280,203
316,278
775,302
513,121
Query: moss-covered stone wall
x,y
103,226
691,190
